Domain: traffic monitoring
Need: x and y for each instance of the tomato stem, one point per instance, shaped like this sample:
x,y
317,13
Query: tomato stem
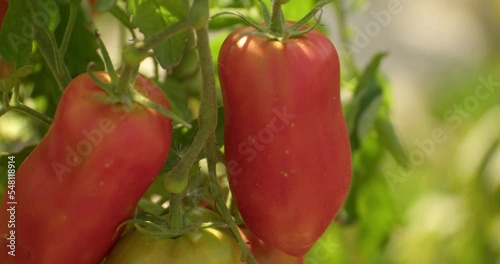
x,y
107,60
211,150
208,111
278,24
73,11
175,211
19,107
143,100
47,44
48,48
125,83
242,17
13,103
265,11
134,54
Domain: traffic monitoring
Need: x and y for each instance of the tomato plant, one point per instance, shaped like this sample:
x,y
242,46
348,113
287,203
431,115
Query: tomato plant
x,y
79,183
85,149
288,185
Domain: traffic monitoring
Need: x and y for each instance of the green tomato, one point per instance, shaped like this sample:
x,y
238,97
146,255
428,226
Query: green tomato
x,y
207,245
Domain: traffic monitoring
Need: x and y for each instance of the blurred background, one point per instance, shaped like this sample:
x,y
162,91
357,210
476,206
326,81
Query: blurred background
x,y
439,200
445,208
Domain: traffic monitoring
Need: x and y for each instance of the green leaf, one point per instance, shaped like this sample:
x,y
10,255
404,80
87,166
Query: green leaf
x,y
377,216
17,33
149,207
45,13
82,47
153,16
362,112
390,140
103,6
368,116
122,16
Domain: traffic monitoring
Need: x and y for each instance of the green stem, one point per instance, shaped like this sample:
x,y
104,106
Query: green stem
x,y
15,94
122,88
278,25
14,104
208,111
73,11
175,211
208,104
107,59
32,113
139,51
48,47
212,155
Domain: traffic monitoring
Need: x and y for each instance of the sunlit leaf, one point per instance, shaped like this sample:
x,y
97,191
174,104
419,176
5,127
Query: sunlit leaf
x,y
103,6
153,16
361,113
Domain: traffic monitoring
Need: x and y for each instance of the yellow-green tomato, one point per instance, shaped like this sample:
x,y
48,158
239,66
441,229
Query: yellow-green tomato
x,y
207,246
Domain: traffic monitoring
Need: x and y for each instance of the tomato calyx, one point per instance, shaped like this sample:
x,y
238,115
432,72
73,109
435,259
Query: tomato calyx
x,y
121,89
275,26
158,225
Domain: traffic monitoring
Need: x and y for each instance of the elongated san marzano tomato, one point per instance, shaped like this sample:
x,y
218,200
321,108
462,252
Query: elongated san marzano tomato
x,y
286,141
85,177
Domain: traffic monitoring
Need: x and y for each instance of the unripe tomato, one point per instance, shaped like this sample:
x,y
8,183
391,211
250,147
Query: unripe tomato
x,y
205,245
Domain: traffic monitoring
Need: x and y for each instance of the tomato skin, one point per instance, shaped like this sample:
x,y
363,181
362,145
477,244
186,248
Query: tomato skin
x,y
6,68
286,141
265,254
69,206
3,10
205,245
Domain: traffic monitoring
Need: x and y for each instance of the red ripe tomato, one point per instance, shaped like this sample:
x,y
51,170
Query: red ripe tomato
x,y
6,68
85,177
4,4
286,141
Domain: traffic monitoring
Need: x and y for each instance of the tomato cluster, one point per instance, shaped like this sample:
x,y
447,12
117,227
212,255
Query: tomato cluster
x,y
103,151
